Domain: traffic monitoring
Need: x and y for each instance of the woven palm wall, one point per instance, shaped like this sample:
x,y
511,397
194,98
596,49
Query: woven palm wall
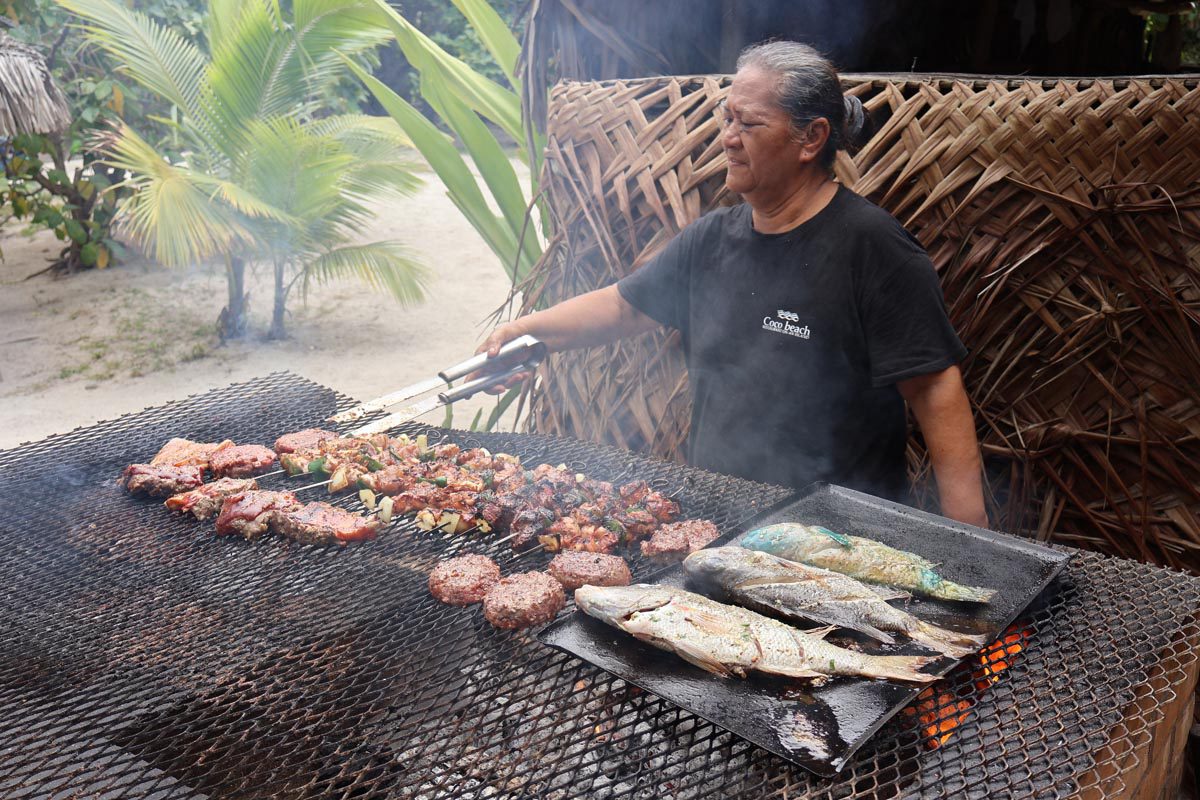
x,y
1063,217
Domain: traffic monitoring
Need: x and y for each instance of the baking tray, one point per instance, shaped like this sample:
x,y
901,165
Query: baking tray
x,y
820,727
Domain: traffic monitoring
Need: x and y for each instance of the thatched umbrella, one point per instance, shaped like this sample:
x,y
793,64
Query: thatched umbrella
x,y
29,100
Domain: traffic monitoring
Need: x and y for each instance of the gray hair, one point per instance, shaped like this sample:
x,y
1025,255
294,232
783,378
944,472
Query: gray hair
x,y
808,87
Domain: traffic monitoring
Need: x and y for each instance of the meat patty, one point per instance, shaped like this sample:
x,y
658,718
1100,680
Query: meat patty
x,y
206,500
463,580
248,514
161,480
241,461
301,440
186,453
674,541
322,523
573,568
528,598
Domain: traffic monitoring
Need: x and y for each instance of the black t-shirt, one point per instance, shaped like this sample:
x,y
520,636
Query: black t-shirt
x,y
795,341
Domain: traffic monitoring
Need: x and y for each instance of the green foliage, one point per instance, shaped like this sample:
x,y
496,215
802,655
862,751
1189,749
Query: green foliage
x,y
453,32
72,204
463,99
51,180
268,176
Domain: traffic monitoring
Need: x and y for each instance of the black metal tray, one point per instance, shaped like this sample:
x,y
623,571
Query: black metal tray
x,y
820,727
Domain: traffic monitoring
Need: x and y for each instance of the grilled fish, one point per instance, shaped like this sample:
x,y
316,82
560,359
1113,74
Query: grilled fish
x,y
864,559
727,640
762,581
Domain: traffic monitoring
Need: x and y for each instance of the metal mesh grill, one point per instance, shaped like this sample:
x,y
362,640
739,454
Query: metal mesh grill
x,y
140,656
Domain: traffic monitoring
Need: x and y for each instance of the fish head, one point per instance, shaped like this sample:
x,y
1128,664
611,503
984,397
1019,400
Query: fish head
x,y
725,566
614,603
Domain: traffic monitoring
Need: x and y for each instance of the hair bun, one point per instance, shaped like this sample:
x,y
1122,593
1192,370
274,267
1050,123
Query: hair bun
x,y
856,120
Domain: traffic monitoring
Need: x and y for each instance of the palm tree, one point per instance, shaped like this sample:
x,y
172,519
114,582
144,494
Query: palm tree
x,y
265,176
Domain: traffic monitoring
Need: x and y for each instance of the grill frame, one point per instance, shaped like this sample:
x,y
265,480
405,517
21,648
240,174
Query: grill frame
x,y
141,656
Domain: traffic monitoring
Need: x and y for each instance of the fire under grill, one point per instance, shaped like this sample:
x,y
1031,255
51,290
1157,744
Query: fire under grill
x,y
141,656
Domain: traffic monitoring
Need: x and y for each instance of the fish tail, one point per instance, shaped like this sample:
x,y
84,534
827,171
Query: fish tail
x,y
949,590
952,643
900,668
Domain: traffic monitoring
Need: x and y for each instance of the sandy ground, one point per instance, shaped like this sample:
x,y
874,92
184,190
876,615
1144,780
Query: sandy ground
x,y
104,343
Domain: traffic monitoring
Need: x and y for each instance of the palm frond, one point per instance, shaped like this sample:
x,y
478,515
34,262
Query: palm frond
x,y
384,266
154,56
480,94
495,35
172,212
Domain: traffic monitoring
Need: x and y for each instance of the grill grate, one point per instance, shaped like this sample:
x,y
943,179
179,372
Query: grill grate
x,y
140,656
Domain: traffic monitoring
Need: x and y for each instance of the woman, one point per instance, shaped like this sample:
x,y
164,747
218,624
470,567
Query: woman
x,y
809,316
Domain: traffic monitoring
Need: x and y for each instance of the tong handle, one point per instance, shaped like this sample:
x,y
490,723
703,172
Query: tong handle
x,y
487,381
524,351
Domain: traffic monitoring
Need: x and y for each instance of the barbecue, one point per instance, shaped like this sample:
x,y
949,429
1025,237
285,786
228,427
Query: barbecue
x,y
249,514
674,541
206,499
161,480
322,523
141,660
463,580
241,461
302,440
523,600
574,569
180,452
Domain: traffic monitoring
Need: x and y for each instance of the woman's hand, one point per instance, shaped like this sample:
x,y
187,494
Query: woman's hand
x,y
500,336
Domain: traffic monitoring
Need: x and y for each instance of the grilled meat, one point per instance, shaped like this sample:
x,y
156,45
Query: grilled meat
x,y
302,440
186,453
463,580
322,523
567,534
391,480
204,501
727,640
161,480
636,523
574,569
241,461
528,598
764,582
248,514
864,559
674,541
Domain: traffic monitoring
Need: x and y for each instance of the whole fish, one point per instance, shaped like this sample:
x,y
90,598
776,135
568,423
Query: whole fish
x,y
864,559
727,640
762,581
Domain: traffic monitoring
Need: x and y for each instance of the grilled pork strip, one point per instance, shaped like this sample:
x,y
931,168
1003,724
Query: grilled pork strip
x,y
301,440
204,501
161,480
322,523
242,461
185,453
248,514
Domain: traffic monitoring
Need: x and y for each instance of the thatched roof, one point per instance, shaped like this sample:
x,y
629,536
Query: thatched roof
x,y
29,100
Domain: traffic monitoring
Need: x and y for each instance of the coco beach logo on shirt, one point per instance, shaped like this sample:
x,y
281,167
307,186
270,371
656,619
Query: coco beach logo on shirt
x,y
783,322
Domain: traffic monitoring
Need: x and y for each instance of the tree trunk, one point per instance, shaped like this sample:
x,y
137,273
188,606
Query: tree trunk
x,y
232,322
277,329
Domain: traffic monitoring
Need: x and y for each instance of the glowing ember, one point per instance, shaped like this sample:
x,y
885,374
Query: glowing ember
x,y
940,715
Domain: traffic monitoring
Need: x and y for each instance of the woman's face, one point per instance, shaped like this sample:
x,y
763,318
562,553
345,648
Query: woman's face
x,y
765,157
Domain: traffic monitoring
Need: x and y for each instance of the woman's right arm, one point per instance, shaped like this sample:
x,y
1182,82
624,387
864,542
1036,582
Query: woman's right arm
x,y
589,320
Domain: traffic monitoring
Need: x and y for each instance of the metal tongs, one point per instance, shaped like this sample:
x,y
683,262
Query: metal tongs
x,y
522,354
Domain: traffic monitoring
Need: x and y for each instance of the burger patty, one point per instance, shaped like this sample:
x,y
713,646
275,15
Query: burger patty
x,y
528,598
575,568
463,580
674,541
